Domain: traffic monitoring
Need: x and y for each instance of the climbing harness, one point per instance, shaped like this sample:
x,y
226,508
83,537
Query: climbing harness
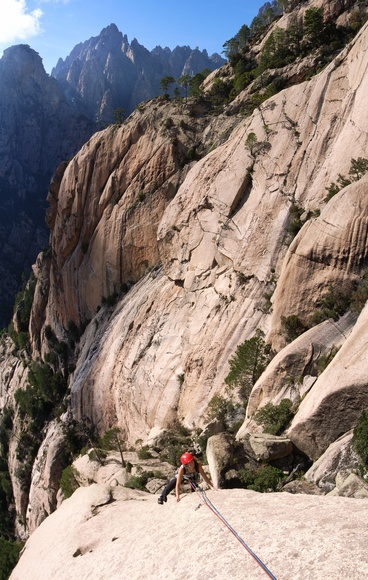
x,y
209,504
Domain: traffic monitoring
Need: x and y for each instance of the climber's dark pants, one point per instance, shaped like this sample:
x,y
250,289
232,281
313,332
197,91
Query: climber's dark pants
x,y
169,487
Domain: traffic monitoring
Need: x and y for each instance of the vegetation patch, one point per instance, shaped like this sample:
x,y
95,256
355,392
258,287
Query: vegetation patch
x,y
9,556
246,366
358,168
140,481
360,439
68,481
292,327
265,479
275,418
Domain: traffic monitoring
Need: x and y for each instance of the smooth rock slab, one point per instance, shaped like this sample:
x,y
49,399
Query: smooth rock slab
x,y
298,537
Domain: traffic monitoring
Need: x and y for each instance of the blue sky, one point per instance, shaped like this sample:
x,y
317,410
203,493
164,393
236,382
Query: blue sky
x,y
54,27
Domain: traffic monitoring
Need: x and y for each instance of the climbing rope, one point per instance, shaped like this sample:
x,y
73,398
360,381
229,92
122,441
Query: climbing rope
x,y
210,505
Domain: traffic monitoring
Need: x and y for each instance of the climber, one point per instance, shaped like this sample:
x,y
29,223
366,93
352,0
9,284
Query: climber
x,y
188,470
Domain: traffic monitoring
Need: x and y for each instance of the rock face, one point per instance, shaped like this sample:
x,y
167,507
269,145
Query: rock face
x,y
339,455
166,264
341,387
52,456
268,447
117,533
107,72
105,209
222,244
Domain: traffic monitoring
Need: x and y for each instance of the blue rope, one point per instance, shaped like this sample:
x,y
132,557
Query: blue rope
x,y
221,517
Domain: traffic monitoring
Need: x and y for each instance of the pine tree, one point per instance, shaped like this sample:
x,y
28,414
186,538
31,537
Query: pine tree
x,y
246,366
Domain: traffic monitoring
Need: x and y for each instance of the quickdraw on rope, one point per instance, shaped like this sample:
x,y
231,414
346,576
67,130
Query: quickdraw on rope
x,y
210,505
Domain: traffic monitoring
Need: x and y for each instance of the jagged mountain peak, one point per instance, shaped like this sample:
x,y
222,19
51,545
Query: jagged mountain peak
x,y
128,73
22,60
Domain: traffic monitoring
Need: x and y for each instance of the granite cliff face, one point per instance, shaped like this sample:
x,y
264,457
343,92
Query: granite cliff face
x,y
171,245
108,72
228,218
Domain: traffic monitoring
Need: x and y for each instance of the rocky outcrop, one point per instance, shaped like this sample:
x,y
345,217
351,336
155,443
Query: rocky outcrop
x,y
50,461
220,456
293,371
340,456
337,399
333,246
350,485
114,533
45,122
108,72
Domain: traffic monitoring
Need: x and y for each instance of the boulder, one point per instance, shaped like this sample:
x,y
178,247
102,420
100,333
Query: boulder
x,y
268,447
338,457
350,485
302,486
282,377
220,455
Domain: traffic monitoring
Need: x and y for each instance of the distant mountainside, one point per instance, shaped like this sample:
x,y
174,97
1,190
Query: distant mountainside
x,y
108,72
45,120
39,129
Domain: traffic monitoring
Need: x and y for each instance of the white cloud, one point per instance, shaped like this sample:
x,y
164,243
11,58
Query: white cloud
x,y
17,22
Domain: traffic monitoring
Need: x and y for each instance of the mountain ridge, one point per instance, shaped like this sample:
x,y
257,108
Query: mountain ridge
x,y
111,55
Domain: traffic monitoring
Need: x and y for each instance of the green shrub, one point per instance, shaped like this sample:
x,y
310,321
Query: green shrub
x,y
172,453
360,295
221,409
295,223
334,303
68,481
292,327
96,454
172,443
6,500
139,481
275,418
266,478
158,474
144,453
358,168
325,359
110,300
9,555
23,302
42,395
74,333
246,476
360,437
